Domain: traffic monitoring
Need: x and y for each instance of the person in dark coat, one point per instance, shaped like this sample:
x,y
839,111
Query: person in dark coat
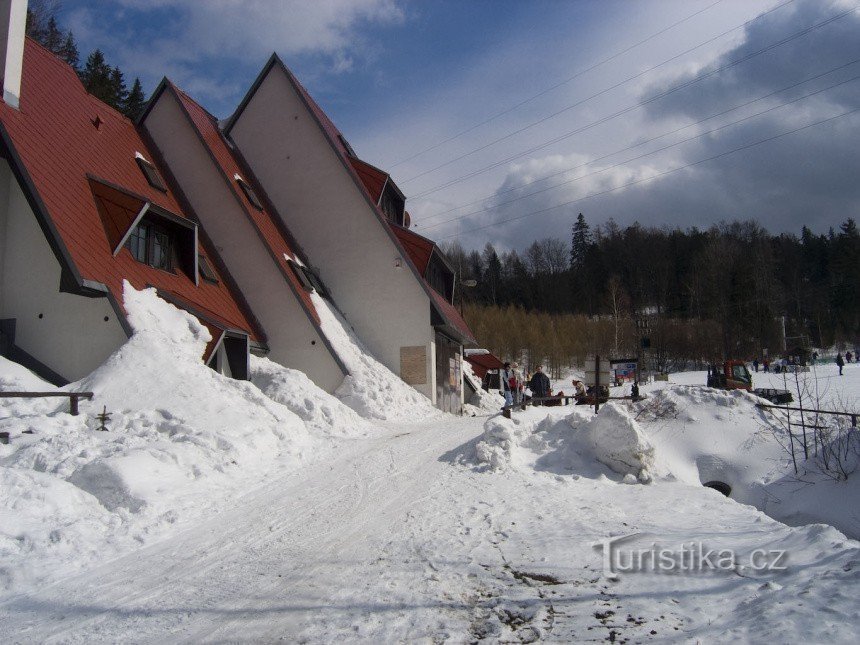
x,y
539,384
840,362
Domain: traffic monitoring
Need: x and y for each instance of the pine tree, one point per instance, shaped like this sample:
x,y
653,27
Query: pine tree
x,y
96,77
135,101
119,91
580,241
53,37
69,51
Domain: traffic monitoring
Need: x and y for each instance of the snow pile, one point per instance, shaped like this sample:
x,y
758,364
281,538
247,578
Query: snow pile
x,y
181,439
578,443
320,411
371,389
703,435
615,439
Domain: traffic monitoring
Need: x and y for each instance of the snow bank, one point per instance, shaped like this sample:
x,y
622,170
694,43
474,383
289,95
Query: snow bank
x,y
371,389
319,410
182,438
615,439
704,435
578,443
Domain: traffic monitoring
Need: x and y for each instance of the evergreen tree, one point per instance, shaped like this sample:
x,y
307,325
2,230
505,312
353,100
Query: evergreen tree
x,y
69,51
135,101
119,91
52,38
96,77
580,241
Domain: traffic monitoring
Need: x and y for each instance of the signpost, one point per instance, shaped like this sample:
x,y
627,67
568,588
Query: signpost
x,y
597,373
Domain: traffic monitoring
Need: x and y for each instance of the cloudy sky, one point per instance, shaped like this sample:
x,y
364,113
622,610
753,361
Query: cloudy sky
x,y
501,120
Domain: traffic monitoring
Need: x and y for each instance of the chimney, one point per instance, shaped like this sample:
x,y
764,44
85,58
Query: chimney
x,y
13,25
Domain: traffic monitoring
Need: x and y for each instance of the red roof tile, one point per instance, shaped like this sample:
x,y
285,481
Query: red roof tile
x,y
418,247
59,146
452,316
263,220
371,176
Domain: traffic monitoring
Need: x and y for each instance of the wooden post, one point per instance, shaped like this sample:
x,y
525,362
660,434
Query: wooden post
x,y
73,404
596,383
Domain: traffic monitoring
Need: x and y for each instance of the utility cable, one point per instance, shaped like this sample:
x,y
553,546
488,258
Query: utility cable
x,y
635,106
660,174
556,86
656,150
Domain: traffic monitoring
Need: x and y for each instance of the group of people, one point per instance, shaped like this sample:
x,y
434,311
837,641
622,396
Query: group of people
x,y
783,364
513,384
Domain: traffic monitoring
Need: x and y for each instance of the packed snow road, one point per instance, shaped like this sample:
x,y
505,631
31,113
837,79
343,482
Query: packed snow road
x,y
402,537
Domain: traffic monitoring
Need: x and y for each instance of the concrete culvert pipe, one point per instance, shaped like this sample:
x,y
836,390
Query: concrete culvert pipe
x,y
723,487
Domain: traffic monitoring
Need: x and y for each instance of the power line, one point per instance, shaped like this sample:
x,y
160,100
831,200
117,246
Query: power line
x,y
597,94
657,150
556,86
660,174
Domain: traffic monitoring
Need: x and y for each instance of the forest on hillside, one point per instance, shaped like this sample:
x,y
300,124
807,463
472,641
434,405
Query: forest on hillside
x,y
694,295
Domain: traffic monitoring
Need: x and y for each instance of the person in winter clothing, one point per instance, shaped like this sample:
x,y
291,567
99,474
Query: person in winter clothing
x,y
840,362
539,385
755,364
505,378
517,384
848,357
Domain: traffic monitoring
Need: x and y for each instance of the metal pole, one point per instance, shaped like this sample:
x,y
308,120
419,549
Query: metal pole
x,y
596,383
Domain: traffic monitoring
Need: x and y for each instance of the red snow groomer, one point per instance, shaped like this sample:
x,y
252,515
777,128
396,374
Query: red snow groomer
x,y
734,375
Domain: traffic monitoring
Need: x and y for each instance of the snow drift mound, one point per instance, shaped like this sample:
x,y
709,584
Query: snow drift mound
x,y
579,443
371,389
319,410
705,435
615,439
181,439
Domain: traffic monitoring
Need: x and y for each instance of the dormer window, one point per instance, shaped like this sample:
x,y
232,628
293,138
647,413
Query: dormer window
x,y
149,171
154,245
346,145
249,192
392,203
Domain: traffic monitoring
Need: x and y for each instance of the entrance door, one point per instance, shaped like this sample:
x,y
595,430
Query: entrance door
x,y
449,375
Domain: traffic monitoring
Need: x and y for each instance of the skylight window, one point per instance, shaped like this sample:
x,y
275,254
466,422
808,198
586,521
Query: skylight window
x,y
308,278
149,171
249,193
205,268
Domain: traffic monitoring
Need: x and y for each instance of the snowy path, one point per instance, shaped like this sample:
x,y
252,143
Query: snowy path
x,y
392,538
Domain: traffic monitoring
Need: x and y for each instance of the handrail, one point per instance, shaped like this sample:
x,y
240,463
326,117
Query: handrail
x,y
853,415
73,397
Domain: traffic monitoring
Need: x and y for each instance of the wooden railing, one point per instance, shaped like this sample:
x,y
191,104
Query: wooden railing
x,y
553,401
73,397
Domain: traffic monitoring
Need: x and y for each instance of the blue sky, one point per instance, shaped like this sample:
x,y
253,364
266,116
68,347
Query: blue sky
x,y
400,76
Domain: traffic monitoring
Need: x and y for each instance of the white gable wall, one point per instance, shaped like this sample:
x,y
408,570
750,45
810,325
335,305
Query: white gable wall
x,y
331,219
72,337
293,340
